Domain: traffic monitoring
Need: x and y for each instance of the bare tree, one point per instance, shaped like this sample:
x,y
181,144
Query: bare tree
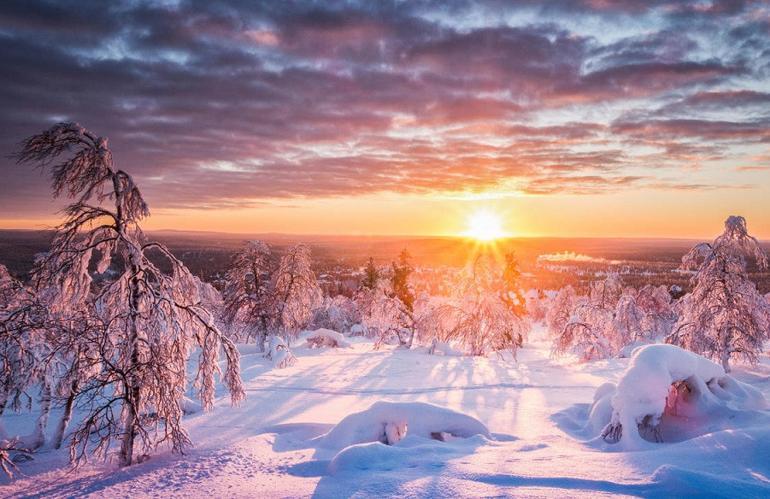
x,y
724,317
295,292
152,318
247,294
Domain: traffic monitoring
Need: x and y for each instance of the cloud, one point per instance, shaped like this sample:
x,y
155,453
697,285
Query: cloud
x,y
309,99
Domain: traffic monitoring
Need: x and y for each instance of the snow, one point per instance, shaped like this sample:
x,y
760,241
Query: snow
x,y
645,392
417,418
278,352
323,337
536,411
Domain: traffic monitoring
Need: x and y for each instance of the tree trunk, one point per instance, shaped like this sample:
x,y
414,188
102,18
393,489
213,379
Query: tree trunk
x,y
132,386
726,362
42,420
66,417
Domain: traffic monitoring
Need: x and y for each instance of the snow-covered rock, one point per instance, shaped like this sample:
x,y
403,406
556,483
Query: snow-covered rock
x,y
323,337
357,330
417,418
667,380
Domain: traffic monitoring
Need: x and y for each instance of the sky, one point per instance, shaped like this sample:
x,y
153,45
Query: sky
x,y
565,117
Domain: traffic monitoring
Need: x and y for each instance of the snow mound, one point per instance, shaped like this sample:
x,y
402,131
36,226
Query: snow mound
x,y
278,351
190,406
667,382
388,422
443,348
411,452
326,338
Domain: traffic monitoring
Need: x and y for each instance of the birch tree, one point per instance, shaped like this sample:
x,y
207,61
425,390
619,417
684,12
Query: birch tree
x,y
247,294
152,318
295,292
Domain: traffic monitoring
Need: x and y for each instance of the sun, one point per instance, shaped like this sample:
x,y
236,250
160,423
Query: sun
x,y
484,225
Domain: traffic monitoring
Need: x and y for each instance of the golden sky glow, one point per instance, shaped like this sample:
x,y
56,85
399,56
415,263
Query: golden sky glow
x,y
608,119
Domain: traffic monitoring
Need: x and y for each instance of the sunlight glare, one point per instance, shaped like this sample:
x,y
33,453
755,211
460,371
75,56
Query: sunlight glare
x,y
484,225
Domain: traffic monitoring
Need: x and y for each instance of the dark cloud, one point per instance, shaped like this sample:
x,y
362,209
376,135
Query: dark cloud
x,y
217,104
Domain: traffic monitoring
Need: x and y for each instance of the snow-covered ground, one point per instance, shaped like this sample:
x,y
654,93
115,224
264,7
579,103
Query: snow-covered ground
x,y
536,411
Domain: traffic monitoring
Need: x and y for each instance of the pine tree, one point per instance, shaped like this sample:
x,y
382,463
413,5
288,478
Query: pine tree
x,y
371,275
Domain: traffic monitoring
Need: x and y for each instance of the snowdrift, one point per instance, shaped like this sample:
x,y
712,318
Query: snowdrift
x,y
411,452
387,433
326,338
388,422
667,394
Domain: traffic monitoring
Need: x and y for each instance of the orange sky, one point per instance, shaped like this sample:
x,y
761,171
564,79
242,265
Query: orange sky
x,y
568,119
642,213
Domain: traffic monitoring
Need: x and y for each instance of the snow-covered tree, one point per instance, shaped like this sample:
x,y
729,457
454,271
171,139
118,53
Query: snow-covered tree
x,y
371,275
22,343
338,314
559,312
480,317
384,315
659,315
537,305
627,321
402,291
248,306
724,317
295,292
606,292
152,319
592,332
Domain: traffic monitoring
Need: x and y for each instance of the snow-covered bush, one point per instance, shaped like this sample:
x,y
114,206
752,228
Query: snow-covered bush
x,y
326,338
279,353
383,315
610,319
339,313
724,317
665,380
386,422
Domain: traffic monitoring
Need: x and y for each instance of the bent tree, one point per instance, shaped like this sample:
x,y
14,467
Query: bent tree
x,y
152,317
